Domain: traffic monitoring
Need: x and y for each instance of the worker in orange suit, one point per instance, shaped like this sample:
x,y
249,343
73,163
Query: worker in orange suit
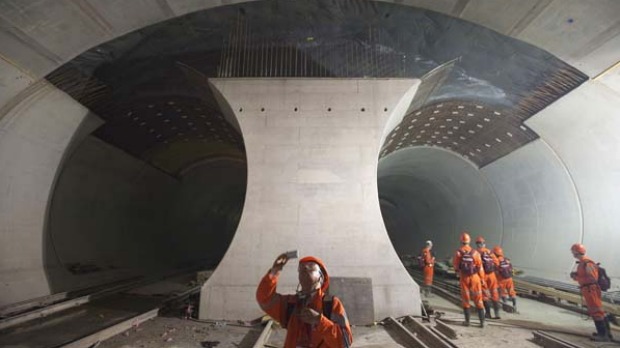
x,y
587,277
504,277
468,264
428,260
490,293
311,318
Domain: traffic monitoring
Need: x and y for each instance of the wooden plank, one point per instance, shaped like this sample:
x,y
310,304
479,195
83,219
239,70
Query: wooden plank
x,y
264,336
90,340
547,340
425,334
445,329
408,336
42,312
567,296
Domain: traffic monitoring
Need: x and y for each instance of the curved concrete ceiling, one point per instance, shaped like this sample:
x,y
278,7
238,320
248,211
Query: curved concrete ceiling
x,y
555,186
150,85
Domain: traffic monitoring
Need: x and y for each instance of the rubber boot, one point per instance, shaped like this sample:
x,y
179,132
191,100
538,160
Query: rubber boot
x,y
601,331
608,327
430,290
481,316
487,310
514,303
496,310
466,313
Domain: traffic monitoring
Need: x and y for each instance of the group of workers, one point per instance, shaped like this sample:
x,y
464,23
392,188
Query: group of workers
x,y
313,319
486,277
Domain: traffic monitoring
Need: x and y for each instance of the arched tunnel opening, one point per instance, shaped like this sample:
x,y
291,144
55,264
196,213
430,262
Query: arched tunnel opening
x,y
157,161
149,91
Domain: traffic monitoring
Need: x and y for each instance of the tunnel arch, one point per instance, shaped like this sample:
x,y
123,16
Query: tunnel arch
x,y
39,51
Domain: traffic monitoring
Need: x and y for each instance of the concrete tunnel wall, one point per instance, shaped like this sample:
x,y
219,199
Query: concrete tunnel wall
x,y
579,131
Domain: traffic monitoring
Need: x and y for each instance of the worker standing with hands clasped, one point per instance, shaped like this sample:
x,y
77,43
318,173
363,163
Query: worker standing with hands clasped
x,y
587,276
427,262
312,318
490,291
468,264
504,277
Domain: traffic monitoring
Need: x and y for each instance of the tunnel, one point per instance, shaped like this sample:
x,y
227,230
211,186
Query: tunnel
x,y
125,155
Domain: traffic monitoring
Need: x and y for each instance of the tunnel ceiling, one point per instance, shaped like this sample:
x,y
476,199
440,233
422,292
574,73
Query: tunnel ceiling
x,y
150,85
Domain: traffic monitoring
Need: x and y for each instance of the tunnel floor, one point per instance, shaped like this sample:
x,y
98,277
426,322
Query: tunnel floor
x,y
171,329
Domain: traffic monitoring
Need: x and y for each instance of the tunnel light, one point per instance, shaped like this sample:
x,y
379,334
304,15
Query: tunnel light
x,y
431,119
449,120
486,120
414,120
462,122
436,111
418,113
462,137
522,127
498,140
469,114
442,126
509,134
479,107
439,105
472,154
487,145
455,112
450,132
478,150
479,125
471,132
497,113
427,124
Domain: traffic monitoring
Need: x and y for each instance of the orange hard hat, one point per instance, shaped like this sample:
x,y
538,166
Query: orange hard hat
x,y
465,238
497,250
479,239
578,248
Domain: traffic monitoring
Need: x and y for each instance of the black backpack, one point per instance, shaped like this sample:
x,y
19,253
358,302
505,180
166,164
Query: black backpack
x,y
505,268
467,265
487,263
328,304
603,279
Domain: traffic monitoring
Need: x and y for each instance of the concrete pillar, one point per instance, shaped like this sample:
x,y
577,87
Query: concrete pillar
x,y
312,150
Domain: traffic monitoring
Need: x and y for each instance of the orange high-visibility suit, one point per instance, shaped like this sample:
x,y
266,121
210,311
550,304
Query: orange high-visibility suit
x,y
332,332
429,266
471,285
505,284
490,283
587,277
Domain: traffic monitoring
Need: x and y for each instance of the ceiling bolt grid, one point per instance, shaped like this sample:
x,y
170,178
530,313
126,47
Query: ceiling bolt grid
x,y
475,131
